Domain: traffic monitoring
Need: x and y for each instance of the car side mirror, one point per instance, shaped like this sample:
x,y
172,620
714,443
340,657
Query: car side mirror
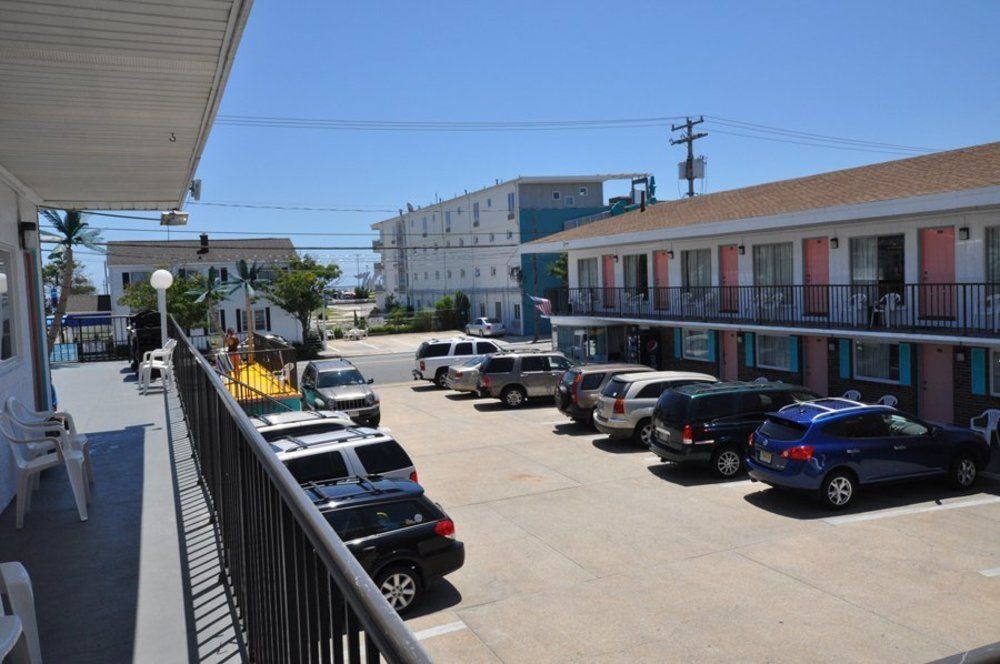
x,y
935,432
371,380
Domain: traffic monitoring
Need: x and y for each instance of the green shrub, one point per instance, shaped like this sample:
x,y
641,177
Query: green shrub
x,y
338,333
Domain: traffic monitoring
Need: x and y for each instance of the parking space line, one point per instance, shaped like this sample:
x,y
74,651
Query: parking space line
x,y
993,571
902,511
447,628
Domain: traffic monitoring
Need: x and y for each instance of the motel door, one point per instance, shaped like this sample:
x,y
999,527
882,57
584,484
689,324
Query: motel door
x,y
936,383
729,277
730,356
608,279
815,357
816,269
937,273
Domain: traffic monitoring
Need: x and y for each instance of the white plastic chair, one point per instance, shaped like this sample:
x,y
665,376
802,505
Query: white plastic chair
x,y
285,375
53,422
887,304
988,424
13,644
160,360
887,400
15,584
28,466
852,395
761,379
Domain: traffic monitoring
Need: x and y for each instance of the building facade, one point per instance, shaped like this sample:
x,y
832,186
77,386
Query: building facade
x,y
883,279
472,243
133,261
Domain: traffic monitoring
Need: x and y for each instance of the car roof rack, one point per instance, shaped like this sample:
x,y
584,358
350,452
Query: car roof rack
x,y
358,434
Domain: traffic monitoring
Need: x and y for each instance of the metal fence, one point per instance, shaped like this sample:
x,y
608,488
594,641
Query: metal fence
x,y
301,595
948,309
92,338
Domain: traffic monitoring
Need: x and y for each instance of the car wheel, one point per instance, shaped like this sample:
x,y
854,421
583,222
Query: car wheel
x,y
440,378
643,433
400,586
727,462
963,472
513,396
838,489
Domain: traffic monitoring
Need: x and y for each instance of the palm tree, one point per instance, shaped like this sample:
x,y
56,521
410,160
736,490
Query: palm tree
x,y
248,280
213,291
72,231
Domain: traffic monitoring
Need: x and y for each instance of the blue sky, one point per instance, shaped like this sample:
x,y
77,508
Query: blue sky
x,y
896,72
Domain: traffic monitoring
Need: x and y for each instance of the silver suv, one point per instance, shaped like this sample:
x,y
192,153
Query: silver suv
x,y
625,407
516,377
335,455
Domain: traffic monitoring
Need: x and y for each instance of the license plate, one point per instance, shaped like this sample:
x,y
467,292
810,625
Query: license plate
x,y
764,456
662,433
353,413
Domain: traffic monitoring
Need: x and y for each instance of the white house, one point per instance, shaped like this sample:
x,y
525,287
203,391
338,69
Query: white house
x,y
132,261
883,279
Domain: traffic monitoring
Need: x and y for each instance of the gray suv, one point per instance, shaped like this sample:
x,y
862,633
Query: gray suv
x,y
625,407
577,392
338,385
516,377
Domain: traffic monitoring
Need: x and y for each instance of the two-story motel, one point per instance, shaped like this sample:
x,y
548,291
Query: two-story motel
x,y
883,279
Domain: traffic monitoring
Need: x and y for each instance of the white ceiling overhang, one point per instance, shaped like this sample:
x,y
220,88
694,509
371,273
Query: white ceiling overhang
x,y
107,104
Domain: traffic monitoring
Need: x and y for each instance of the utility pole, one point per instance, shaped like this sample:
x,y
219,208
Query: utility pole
x,y
689,137
534,277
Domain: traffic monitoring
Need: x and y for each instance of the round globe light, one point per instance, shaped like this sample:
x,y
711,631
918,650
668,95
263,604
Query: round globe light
x,y
3,283
161,280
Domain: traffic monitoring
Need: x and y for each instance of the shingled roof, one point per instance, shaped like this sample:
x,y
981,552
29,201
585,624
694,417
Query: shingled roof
x,y
955,170
175,252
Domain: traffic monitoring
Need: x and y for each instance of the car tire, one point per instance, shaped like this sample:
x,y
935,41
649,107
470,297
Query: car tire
x,y
441,377
513,396
401,587
838,490
963,472
643,433
727,462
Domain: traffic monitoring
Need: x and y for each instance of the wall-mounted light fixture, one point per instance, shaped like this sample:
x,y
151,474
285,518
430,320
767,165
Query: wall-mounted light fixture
x,y
23,229
834,243
743,250
670,254
960,356
616,258
963,233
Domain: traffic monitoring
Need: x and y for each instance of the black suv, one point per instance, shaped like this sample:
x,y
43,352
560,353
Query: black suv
x,y
710,423
401,538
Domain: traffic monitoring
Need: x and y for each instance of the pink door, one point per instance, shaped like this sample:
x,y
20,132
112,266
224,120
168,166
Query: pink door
x,y
815,357
937,272
816,275
730,356
936,383
661,270
729,277
608,279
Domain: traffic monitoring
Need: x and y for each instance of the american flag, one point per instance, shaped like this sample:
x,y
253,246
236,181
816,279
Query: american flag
x,y
542,304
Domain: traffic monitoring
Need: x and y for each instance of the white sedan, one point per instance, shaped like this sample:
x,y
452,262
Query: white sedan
x,y
486,327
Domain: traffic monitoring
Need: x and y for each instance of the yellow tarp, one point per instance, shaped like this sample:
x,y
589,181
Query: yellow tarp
x,y
259,379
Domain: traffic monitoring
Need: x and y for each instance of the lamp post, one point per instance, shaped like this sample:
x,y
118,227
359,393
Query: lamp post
x,y
161,280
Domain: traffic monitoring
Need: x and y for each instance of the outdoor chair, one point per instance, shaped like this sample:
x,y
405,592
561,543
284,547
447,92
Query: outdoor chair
x,y
857,308
989,317
15,587
13,644
160,360
887,400
988,424
284,376
887,305
52,422
27,466
852,395
761,379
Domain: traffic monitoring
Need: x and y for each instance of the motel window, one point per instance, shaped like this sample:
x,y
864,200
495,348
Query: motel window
x,y
773,351
586,273
6,307
995,373
696,268
993,255
876,361
772,264
695,345
636,273
878,262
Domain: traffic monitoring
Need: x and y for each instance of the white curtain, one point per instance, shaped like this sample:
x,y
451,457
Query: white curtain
x,y
586,271
773,351
874,360
772,264
864,260
696,266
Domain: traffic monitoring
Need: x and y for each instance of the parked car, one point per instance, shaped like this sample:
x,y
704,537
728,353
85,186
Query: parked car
x,y
401,538
625,406
435,356
710,424
516,377
300,422
350,452
338,385
486,327
831,447
464,377
577,392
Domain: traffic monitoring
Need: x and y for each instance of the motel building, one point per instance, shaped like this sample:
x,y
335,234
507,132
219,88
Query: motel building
x,y
884,279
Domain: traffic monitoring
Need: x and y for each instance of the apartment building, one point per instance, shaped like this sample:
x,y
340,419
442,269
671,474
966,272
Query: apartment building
x,y
472,243
133,261
883,279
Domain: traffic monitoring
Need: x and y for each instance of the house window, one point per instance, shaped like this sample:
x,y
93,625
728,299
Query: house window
x,y
425,276
876,361
437,274
492,237
583,191
461,242
556,195
424,223
695,345
262,319
475,213
696,268
461,273
498,307
995,373
568,201
586,273
476,272
510,205
449,274
493,271
636,274
447,221
773,351
877,263
6,307
482,308
489,202
510,235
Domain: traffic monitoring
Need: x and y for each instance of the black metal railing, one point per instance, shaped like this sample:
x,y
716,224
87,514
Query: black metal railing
x,y
301,596
949,309
94,337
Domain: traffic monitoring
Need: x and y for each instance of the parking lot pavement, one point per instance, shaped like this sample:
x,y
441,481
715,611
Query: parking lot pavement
x,y
581,548
387,344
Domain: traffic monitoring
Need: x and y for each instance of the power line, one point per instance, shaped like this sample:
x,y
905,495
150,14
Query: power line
x,y
802,134
416,125
221,245
296,208
716,130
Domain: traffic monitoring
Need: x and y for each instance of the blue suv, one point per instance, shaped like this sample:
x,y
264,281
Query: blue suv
x,y
832,446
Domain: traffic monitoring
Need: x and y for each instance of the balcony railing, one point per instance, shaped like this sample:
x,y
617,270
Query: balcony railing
x,y
301,595
948,309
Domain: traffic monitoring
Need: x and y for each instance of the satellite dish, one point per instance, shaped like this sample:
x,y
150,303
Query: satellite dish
x,y
409,207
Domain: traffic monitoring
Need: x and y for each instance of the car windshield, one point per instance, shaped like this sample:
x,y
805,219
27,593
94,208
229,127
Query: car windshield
x,y
340,378
494,321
